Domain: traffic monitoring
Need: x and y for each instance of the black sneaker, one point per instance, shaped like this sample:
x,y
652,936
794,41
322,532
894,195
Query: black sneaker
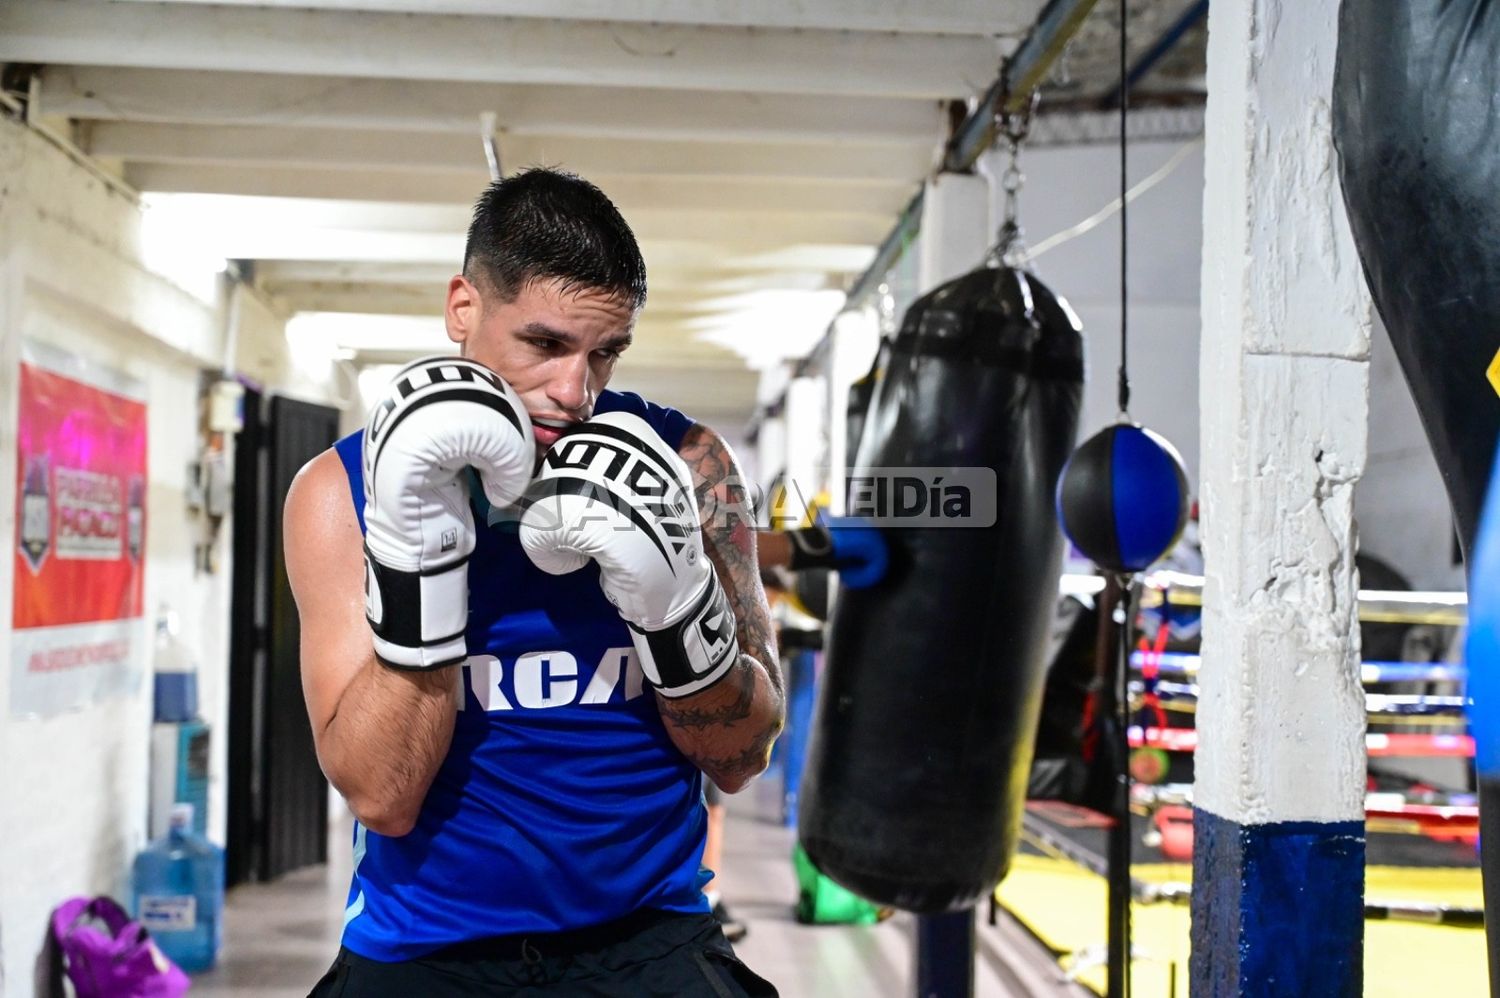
x,y
734,930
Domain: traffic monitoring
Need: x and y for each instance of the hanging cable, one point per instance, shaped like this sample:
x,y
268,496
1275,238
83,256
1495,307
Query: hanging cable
x,y
1120,837
1107,212
1124,384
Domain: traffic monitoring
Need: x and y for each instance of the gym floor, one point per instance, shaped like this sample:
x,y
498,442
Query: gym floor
x,y
280,937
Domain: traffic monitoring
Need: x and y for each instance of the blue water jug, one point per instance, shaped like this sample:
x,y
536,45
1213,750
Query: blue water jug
x,y
178,893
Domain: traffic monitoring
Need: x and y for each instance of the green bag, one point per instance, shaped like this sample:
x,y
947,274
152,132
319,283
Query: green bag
x,y
820,901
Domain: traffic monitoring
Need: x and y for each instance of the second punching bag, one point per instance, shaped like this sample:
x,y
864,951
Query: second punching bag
x,y
927,710
1417,126
1416,121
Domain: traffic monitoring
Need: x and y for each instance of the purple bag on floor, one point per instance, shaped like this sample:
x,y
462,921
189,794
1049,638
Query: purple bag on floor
x,y
122,962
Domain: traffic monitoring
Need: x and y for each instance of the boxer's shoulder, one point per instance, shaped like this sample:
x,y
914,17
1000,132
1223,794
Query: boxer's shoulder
x,y
670,424
321,529
323,482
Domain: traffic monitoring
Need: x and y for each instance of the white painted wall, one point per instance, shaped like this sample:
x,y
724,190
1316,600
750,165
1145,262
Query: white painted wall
x,y
1067,184
955,230
74,785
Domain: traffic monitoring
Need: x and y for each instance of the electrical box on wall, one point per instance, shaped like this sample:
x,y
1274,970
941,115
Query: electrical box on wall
x,y
226,413
179,774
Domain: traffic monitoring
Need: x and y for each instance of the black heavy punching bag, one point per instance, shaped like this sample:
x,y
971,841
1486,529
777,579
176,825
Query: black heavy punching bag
x,y
1416,121
928,704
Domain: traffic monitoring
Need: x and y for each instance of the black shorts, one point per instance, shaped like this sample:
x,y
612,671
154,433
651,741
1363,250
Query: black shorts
x,y
647,954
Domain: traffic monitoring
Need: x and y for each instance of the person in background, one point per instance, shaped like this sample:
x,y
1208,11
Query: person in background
x,y
856,549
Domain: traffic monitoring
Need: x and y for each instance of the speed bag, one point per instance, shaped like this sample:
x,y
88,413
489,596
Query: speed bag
x,y
928,701
1415,123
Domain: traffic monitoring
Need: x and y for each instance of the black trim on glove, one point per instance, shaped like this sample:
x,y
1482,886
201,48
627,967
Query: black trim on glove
x,y
708,629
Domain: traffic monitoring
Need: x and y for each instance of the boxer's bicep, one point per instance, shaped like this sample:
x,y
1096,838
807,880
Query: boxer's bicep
x,y
325,567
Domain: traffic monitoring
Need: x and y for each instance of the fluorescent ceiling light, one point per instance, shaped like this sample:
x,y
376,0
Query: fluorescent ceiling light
x,y
182,248
260,228
335,331
767,327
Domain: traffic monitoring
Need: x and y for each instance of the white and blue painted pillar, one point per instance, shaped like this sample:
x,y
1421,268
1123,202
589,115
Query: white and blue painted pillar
x,y
1278,863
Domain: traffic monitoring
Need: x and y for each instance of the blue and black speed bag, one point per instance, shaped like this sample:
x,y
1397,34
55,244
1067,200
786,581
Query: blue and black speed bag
x,y
1123,498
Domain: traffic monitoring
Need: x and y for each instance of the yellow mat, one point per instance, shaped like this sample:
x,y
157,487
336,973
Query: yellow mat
x,y
1064,906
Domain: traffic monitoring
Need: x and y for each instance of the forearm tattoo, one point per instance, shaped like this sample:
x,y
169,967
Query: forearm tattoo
x,y
726,514
711,721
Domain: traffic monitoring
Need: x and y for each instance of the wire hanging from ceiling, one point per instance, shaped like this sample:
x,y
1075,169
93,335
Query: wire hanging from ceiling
x,y
1124,379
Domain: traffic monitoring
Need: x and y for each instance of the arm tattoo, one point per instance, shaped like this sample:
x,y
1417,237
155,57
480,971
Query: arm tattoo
x,y
729,728
753,758
686,714
727,516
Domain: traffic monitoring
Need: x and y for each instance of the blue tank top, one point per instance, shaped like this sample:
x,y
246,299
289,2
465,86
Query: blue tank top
x,y
562,803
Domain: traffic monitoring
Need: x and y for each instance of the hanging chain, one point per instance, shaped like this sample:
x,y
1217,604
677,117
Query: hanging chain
x,y
1014,126
1062,70
885,309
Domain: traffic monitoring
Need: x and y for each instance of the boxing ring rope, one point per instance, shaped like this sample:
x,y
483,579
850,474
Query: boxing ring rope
x,y
1448,609
1376,606
1376,704
1452,815
1187,664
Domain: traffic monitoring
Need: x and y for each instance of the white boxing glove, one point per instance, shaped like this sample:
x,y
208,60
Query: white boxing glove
x,y
613,491
439,416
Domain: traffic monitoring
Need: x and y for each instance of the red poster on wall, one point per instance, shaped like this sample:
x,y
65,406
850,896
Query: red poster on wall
x,y
80,533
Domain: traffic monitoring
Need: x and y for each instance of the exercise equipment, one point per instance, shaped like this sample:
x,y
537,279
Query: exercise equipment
x,y
1414,123
925,720
820,901
1483,655
808,588
1061,768
1123,498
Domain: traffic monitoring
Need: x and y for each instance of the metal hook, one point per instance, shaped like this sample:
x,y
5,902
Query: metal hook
x,y
1010,243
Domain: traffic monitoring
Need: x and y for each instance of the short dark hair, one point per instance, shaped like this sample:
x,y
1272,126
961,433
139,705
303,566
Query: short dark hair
x,y
543,224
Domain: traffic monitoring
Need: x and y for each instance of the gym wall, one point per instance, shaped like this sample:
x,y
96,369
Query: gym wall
x,y
71,275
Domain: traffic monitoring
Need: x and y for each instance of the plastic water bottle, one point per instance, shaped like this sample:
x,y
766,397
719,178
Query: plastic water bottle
x,y
176,675
178,893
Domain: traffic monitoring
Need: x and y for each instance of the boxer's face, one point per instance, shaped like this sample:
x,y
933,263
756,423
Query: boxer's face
x,y
556,347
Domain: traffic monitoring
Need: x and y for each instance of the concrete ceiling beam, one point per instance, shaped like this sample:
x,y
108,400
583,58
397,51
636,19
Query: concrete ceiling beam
x,y
371,149
109,93
390,45
952,17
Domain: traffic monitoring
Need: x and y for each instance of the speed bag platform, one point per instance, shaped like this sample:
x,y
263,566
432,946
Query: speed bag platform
x,y
932,682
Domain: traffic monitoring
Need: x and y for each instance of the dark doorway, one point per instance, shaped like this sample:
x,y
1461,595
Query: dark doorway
x,y
277,796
